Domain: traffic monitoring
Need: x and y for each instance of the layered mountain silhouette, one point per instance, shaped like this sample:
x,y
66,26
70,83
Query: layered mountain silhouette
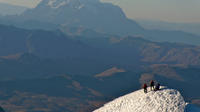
x,y
93,15
39,42
132,51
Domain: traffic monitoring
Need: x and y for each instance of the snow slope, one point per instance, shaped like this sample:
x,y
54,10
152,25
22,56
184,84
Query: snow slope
x,y
164,100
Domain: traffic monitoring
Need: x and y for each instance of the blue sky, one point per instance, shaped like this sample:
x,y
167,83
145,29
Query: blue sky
x,y
166,10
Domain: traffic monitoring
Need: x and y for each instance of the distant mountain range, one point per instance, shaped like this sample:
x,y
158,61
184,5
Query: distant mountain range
x,y
21,47
7,9
93,15
39,42
169,26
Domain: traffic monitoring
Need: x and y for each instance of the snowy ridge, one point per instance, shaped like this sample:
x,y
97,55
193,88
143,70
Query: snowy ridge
x,y
164,100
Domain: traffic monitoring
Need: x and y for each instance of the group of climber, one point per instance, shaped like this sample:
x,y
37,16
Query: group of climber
x,y
153,87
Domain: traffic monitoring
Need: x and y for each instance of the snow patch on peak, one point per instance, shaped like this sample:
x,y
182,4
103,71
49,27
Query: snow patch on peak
x,y
77,4
57,3
164,100
80,6
51,2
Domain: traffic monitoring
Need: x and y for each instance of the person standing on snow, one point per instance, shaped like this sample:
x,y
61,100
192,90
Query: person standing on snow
x,y
145,88
152,85
157,87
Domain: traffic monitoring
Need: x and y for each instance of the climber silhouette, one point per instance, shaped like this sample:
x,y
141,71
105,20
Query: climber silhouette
x,y
145,88
157,87
152,85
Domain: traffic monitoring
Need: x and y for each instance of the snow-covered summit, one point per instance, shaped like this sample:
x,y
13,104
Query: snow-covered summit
x,y
164,100
78,4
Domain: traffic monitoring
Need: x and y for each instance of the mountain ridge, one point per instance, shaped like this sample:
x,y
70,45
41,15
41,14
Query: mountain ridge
x,y
100,17
91,16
